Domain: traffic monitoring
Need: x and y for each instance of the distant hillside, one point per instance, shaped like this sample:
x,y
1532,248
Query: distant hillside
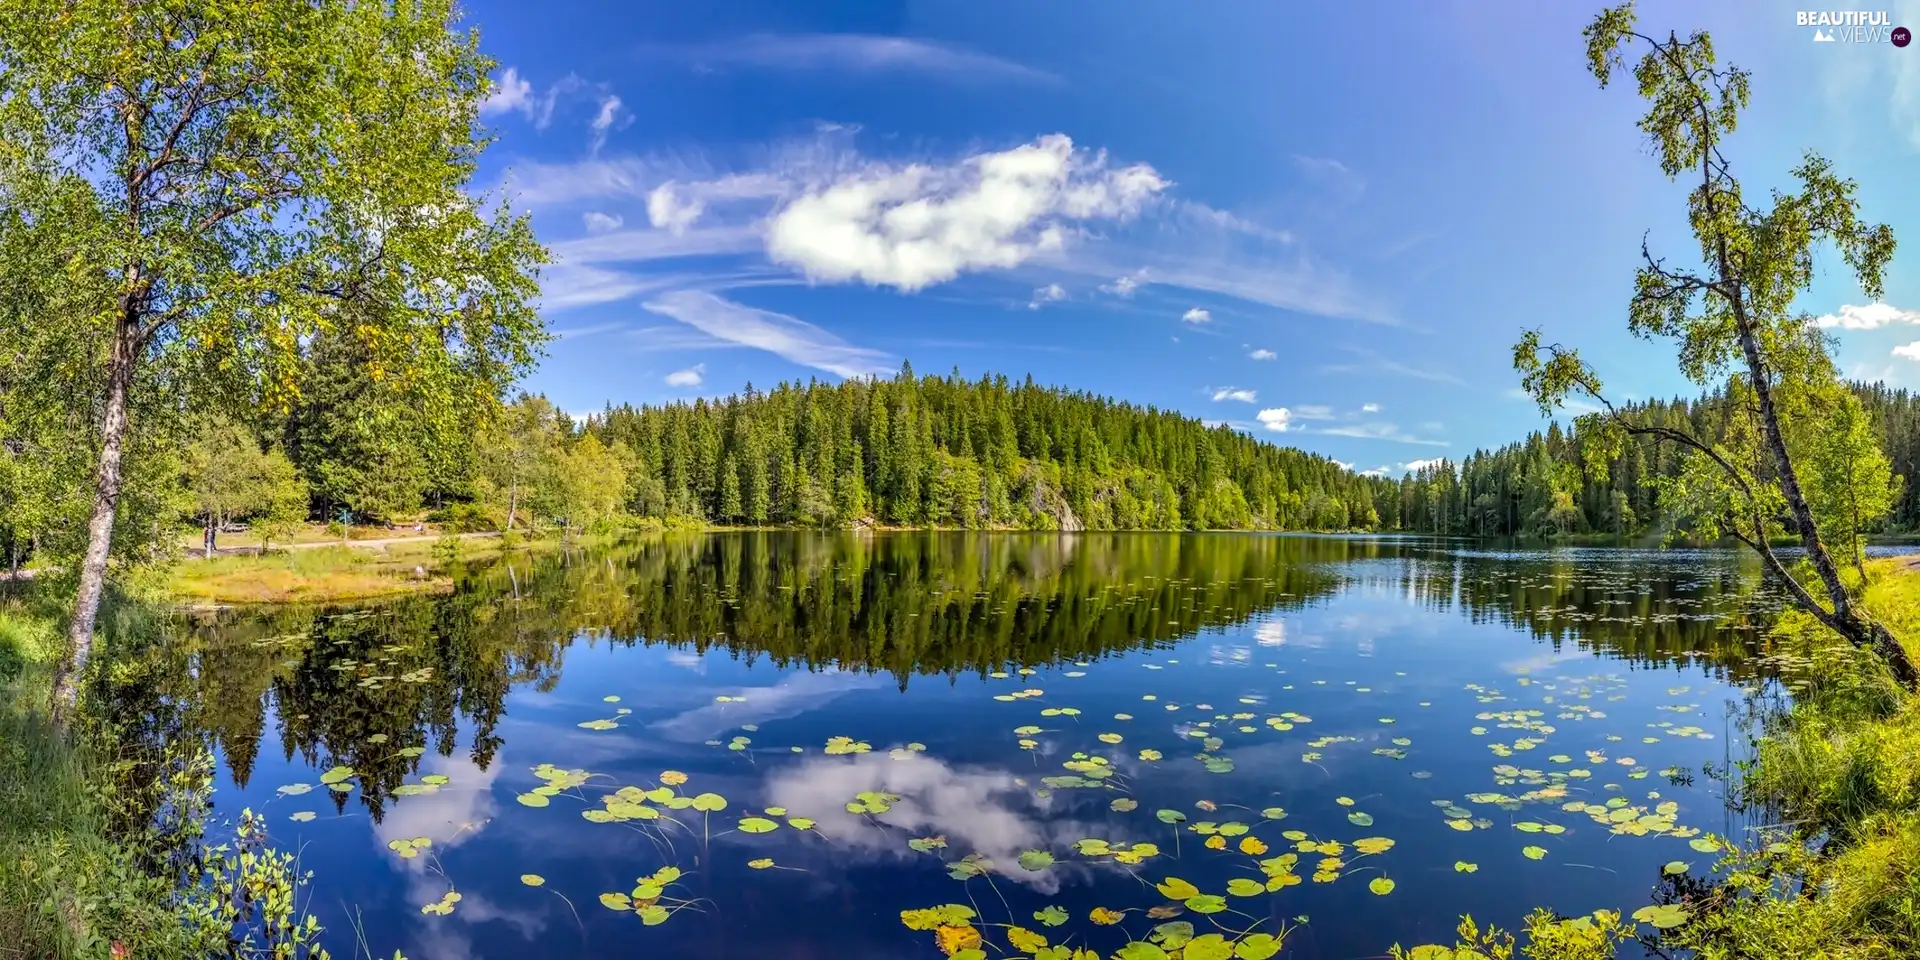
x,y
986,453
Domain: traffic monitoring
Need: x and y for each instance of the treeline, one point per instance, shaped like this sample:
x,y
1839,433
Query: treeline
x,y
983,453
1540,486
361,448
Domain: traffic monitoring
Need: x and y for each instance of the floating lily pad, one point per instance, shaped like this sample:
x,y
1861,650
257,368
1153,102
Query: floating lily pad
x,y
1663,917
533,880
1381,886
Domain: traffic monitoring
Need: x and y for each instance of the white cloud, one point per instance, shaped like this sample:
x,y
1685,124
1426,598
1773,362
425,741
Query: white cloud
x,y
597,222
1379,471
1262,354
864,53
1124,287
510,93
815,207
690,377
1378,364
1868,317
1379,431
1418,465
1911,351
779,334
513,94
913,226
1342,464
1051,293
1196,315
1277,419
1233,393
1312,411
1369,408
1331,177
671,212
604,120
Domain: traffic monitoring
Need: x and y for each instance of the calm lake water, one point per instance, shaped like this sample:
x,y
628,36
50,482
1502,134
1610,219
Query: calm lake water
x,y
820,731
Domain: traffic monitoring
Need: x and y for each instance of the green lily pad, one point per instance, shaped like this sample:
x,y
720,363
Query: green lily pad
x,y
1053,916
1210,946
1534,853
532,799
1663,917
757,825
1256,946
336,775
533,880
1381,886
709,803
1206,903
1035,860
1170,816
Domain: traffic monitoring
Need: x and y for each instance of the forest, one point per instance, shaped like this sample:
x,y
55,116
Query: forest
x,y
908,451
1542,487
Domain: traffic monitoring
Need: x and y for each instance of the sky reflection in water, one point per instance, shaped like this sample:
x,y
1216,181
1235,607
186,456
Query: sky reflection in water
x,y
1393,650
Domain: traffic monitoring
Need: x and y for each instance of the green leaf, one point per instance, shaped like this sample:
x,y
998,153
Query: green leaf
x,y
1256,946
1035,860
1663,917
1140,950
757,825
1206,903
1170,816
1534,853
1208,946
336,775
1381,886
1174,888
709,803
1053,916
1243,887
533,880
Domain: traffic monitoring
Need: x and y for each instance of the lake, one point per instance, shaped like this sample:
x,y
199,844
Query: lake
x,y
770,745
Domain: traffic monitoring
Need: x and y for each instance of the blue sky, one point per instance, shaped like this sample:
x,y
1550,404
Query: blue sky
x,y
1323,223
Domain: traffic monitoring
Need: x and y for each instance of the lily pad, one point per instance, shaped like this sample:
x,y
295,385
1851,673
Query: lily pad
x,y
533,880
1035,860
1663,917
757,825
1381,886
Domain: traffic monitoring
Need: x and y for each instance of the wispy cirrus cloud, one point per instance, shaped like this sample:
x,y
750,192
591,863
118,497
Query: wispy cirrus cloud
x,y
818,211
788,337
1375,363
1240,394
1378,430
860,53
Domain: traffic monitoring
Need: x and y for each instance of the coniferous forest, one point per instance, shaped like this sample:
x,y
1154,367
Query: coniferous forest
x,y
984,453
1539,486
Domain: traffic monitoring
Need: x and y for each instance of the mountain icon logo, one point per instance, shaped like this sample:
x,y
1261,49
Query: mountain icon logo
x,y
1820,36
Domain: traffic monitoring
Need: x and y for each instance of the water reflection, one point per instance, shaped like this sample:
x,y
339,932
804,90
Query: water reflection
x,y
1371,687
387,689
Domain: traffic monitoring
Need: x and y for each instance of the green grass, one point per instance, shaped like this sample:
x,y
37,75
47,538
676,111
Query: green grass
x,y
67,889
318,575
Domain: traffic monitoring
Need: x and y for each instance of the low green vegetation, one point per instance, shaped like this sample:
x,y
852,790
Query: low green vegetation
x,y
104,850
